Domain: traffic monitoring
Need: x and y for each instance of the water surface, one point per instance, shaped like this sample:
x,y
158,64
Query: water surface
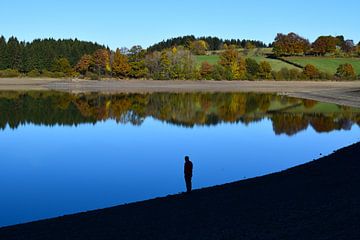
x,y
63,153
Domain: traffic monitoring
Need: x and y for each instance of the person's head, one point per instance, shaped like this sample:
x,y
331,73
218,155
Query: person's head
x,y
187,158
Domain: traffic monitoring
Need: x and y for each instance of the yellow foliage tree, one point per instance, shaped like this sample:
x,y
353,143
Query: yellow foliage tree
x,y
120,65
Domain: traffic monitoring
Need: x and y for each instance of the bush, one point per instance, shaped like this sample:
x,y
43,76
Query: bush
x,y
92,76
206,71
252,67
311,72
325,76
346,72
218,72
9,73
283,74
34,73
294,74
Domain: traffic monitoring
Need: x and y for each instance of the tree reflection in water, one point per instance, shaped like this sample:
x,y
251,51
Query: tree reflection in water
x,y
288,115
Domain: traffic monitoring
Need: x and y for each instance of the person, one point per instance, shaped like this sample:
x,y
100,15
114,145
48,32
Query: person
x,y
188,172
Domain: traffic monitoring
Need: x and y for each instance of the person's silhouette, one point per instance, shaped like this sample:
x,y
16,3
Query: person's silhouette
x,y
188,172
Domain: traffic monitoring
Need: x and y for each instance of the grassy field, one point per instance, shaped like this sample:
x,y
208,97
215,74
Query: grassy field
x,y
275,64
326,64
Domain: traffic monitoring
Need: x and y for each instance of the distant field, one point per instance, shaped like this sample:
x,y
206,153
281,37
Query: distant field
x,y
212,59
275,64
326,64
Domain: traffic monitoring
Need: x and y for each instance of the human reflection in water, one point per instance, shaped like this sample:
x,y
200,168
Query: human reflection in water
x,y
188,172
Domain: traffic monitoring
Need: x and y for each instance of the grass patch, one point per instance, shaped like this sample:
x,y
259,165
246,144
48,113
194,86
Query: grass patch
x,y
275,64
326,64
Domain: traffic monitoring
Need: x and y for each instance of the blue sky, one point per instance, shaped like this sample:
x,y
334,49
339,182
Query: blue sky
x,y
126,23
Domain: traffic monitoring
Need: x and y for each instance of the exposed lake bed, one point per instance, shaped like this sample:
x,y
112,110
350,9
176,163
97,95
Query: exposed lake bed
x,y
343,92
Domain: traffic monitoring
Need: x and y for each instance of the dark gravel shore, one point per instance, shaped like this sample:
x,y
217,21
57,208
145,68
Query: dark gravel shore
x,y
317,200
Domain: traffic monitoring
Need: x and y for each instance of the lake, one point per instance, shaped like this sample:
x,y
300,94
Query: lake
x,y
63,153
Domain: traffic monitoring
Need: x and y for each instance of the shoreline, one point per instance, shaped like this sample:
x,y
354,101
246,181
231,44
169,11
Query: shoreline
x,y
342,93
315,200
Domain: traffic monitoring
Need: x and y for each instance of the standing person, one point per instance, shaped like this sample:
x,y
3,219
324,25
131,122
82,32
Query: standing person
x,y
188,172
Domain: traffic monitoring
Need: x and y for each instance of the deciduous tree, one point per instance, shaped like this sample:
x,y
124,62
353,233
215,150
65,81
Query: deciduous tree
x,y
265,70
199,47
62,65
84,64
324,45
101,59
206,70
290,44
120,65
345,71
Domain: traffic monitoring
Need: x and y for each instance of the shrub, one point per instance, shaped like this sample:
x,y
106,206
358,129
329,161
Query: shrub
x,y
345,71
9,73
311,72
294,74
252,67
218,72
206,71
92,76
283,74
265,70
34,73
325,76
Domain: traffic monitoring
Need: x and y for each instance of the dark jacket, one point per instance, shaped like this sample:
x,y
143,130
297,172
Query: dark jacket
x,y
188,169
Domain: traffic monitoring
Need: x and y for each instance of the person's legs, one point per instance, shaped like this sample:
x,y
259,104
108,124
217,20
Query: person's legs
x,y
188,184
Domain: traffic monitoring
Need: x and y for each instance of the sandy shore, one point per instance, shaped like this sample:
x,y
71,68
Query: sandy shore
x,y
317,200
343,93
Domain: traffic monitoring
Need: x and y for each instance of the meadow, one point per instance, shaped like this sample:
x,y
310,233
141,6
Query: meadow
x,y
276,65
326,64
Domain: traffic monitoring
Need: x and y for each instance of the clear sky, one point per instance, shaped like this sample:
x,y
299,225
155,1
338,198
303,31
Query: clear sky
x,y
118,23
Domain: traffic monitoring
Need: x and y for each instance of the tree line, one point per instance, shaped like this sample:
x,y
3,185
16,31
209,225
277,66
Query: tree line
x,y
213,43
41,54
292,44
74,58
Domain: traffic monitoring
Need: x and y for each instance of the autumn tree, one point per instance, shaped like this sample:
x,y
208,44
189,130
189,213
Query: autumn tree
x,y
348,46
101,60
120,65
206,70
234,65
84,64
324,45
290,44
164,66
311,72
199,47
265,70
177,63
249,45
345,71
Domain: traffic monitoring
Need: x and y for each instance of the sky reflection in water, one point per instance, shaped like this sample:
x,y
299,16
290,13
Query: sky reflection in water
x,y
51,167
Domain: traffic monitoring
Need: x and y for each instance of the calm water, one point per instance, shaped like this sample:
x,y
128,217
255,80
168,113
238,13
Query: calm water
x,y
63,153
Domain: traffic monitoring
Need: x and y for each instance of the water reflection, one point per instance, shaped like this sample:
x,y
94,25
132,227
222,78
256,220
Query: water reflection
x,y
288,115
76,152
